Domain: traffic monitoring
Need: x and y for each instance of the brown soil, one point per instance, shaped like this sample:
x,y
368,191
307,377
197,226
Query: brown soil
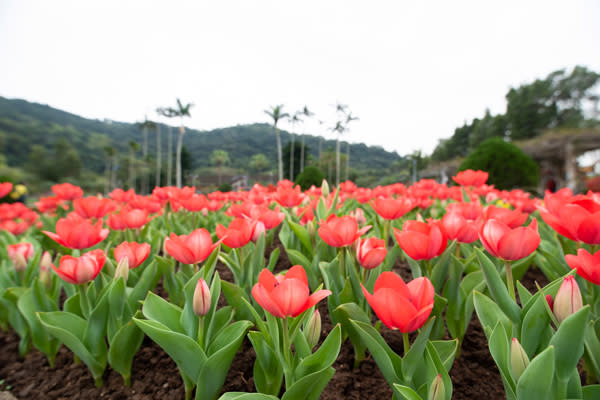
x,y
155,375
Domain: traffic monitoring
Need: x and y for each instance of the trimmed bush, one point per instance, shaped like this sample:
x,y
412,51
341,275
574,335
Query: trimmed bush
x,y
310,176
507,165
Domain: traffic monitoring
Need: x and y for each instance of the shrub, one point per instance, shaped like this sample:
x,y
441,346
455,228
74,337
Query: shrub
x,y
225,187
310,176
507,165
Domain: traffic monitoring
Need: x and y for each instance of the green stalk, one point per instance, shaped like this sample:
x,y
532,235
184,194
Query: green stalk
x,y
288,368
342,261
201,332
83,300
406,343
387,226
509,280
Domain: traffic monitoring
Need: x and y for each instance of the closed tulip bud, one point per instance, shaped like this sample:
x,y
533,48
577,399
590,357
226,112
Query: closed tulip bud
x,y
310,227
45,265
568,299
518,359
122,270
19,262
201,301
312,330
325,188
437,391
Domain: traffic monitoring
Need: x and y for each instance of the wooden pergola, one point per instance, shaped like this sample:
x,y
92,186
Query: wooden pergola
x,y
555,152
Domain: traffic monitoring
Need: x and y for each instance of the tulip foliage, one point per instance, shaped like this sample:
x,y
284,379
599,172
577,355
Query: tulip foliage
x,y
303,274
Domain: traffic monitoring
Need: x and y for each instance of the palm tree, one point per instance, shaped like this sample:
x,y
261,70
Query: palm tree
x,y
306,113
294,121
276,114
145,126
133,148
219,158
181,111
110,153
339,128
158,156
349,118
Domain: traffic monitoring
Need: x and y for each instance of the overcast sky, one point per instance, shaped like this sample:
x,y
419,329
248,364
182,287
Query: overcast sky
x,y
411,71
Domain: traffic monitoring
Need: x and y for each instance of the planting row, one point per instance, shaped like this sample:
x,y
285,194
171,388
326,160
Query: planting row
x,y
83,272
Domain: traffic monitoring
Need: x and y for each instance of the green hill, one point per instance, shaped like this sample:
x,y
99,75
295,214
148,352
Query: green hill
x,y
24,125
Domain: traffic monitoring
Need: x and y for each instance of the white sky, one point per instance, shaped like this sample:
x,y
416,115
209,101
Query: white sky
x,y
412,71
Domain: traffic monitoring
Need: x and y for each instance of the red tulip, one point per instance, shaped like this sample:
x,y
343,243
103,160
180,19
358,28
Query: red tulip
x,y
576,218
270,218
420,240
67,191
471,178
286,295
238,234
20,254
509,244
401,306
340,231
78,270
586,264
5,188
370,252
93,207
462,221
512,218
128,218
194,203
202,299
75,232
568,299
288,197
123,196
390,208
136,253
192,248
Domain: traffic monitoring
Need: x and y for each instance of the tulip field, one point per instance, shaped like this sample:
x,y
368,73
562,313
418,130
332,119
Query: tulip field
x,y
279,293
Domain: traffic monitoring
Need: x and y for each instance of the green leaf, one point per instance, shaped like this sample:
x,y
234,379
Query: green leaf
x,y
568,343
70,329
591,392
414,356
324,357
158,309
310,386
406,393
388,362
489,314
535,383
498,289
186,352
235,296
302,234
46,343
246,396
446,350
148,280
535,321
213,372
499,345
123,346
298,258
268,373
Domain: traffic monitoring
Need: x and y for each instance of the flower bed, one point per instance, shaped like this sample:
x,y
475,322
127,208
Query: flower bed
x,y
426,291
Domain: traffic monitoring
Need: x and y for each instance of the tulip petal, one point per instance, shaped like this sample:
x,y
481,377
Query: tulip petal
x,y
518,243
297,272
266,279
389,280
262,297
312,300
422,292
290,295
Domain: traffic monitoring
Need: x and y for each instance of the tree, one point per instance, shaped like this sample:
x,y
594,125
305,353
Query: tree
x,y
133,149
294,120
145,126
307,114
181,111
292,153
508,167
258,163
109,153
219,158
309,177
339,129
276,114
349,119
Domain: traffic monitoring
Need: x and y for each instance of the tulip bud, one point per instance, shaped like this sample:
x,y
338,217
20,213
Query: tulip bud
x,y
325,188
19,262
201,300
518,359
312,330
550,302
122,270
437,391
568,299
310,227
45,265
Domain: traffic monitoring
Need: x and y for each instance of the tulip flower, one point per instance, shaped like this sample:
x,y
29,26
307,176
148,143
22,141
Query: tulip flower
x,y
79,270
67,191
5,188
286,295
190,249
586,264
93,207
471,178
238,234
20,254
270,218
288,197
128,218
568,299
576,218
75,232
390,208
195,203
420,240
512,218
401,306
509,244
370,252
462,222
201,300
136,253
340,231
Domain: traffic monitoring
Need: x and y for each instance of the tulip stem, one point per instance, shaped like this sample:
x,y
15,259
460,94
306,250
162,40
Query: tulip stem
x,y
342,261
406,343
509,280
288,369
83,300
386,232
201,332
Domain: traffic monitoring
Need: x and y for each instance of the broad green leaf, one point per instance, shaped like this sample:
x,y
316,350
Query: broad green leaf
x,y
535,321
536,379
591,392
568,343
324,357
246,396
297,258
406,393
499,344
414,356
158,309
310,386
268,373
123,346
46,343
446,350
489,314
302,234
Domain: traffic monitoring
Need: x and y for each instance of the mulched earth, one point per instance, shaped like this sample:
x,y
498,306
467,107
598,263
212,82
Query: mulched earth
x,y
155,376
